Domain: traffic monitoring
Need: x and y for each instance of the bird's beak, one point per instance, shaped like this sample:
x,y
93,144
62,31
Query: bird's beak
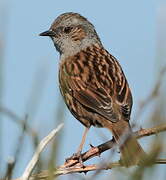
x,y
47,33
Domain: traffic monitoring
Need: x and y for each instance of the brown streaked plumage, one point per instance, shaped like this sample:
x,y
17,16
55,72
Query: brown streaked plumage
x,y
92,82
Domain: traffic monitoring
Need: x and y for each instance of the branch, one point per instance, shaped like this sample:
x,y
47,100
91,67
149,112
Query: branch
x,y
13,161
154,93
96,151
76,169
150,131
73,166
36,155
18,120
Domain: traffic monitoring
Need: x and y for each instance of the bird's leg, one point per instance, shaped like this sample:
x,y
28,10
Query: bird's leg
x,y
77,155
83,140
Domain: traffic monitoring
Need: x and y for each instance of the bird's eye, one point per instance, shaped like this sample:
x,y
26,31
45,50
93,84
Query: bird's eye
x,y
68,29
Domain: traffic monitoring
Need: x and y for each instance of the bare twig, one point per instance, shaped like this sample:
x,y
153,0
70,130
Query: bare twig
x,y
17,120
75,169
10,166
150,131
72,166
21,122
12,161
40,148
95,151
160,161
154,93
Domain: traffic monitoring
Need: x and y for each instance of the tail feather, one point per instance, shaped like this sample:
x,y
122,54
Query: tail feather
x,y
131,150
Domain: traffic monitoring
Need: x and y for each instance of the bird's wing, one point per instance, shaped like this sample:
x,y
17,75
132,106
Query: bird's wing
x,y
95,99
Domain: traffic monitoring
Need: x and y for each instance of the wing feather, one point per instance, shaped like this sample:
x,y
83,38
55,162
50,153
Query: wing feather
x,y
99,85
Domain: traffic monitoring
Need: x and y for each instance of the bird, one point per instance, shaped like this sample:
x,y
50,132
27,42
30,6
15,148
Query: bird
x,y
93,84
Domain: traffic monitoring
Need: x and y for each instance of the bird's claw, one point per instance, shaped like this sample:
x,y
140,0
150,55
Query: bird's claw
x,y
77,156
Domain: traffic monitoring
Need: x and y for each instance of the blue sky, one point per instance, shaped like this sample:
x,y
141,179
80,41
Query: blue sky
x,y
126,28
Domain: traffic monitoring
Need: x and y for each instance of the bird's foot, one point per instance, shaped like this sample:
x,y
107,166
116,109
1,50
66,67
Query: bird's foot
x,y
76,156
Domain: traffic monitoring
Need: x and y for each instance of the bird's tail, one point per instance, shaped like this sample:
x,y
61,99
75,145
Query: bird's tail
x,y
131,151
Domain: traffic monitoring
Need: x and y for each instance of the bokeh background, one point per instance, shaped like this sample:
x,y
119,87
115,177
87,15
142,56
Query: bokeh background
x,y
133,31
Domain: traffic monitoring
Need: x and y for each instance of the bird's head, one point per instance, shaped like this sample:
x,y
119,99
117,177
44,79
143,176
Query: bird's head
x,y
71,33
